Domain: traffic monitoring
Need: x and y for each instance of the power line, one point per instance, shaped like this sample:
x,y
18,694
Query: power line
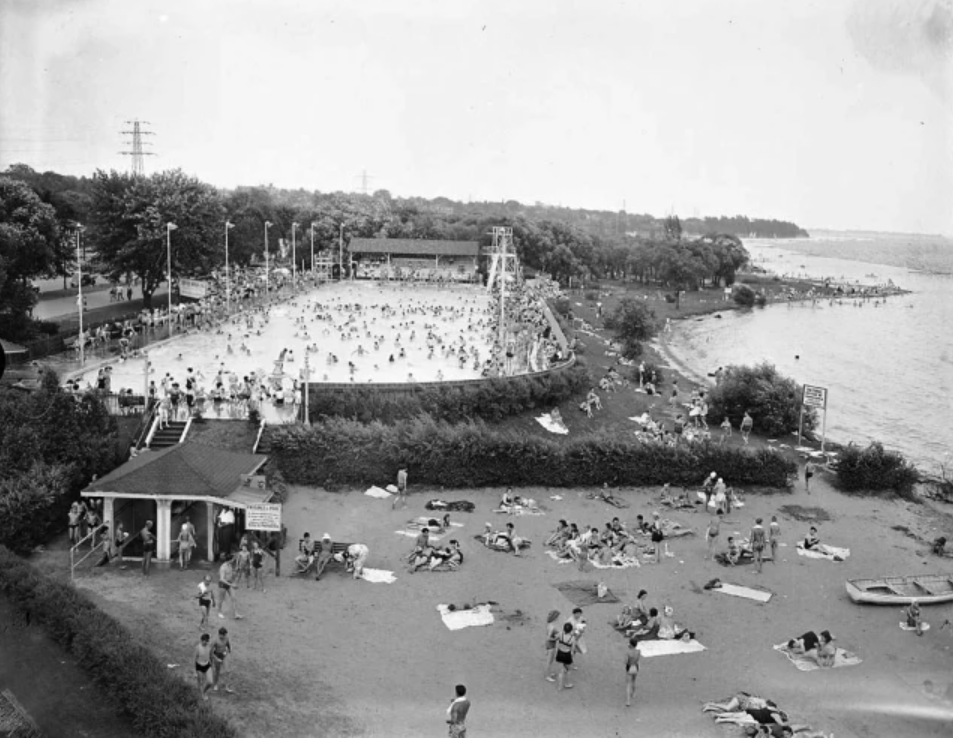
x,y
138,165
365,179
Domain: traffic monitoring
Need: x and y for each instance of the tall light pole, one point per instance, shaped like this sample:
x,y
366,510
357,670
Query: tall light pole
x,y
341,251
169,228
228,284
312,252
268,225
79,298
294,258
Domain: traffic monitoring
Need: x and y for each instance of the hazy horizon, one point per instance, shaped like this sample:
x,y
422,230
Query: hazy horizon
x,y
837,115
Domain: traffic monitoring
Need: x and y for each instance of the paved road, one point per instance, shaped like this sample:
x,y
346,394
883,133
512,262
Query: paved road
x,y
96,297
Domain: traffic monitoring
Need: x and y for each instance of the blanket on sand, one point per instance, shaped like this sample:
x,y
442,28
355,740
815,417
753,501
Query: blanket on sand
x,y
459,619
501,545
669,648
620,562
376,576
722,559
825,552
758,595
520,511
808,662
415,525
923,626
584,593
463,506
376,492
553,422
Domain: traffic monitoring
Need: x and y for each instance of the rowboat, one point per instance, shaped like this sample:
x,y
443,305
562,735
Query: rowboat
x,y
932,589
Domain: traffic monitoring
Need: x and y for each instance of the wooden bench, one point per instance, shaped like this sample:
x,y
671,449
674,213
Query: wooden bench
x,y
336,547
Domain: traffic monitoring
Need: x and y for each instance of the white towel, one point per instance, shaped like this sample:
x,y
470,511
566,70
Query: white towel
x,y
551,425
627,562
923,626
554,556
376,576
745,592
669,648
459,619
830,553
437,532
376,492
808,662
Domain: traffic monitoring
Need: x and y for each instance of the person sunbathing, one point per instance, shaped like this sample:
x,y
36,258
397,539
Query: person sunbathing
x,y
811,541
559,535
421,557
449,559
737,703
650,628
625,619
670,630
733,554
827,652
808,642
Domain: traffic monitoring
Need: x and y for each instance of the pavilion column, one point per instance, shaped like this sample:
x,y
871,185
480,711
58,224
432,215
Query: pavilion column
x,y
163,528
210,519
109,514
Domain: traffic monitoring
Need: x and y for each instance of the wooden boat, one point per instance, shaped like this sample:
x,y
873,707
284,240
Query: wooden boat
x,y
930,589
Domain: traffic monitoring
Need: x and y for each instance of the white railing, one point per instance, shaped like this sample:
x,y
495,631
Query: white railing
x,y
93,546
185,431
261,429
152,430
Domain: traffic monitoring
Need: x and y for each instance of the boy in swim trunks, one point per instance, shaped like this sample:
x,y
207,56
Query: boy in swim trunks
x,y
205,599
774,531
203,665
711,534
221,647
226,587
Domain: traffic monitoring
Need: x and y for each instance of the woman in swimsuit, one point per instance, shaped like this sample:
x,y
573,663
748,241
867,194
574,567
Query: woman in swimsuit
x,y
186,543
203,665
632,659
257,562
565,645
711,534
811,540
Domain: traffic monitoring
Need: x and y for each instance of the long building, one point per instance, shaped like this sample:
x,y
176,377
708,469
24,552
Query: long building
x,y
415,259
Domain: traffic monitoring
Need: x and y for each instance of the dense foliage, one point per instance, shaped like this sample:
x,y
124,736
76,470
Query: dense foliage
x,y
743,295
462,455
158,703
874,468
773,400
633,322
50,447
489,399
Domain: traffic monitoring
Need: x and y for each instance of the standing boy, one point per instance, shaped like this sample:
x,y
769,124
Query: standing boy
x,y
808,474
457,713
401,496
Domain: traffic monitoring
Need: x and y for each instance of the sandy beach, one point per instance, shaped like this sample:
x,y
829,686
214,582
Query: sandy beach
x,y
349,658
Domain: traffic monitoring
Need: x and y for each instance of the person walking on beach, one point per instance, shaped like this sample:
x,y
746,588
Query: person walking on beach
x,y
808,474
774,531
205,599
186,543
226,587
203,665
633,658
747,423
552,633
221,647
711,534
756,541
457,713
148,547
565,645
401,496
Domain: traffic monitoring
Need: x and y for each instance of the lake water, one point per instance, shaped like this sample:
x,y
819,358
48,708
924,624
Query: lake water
x,y
888,367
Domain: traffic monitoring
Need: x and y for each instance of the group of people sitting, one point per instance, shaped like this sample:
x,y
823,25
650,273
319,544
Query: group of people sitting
x,y
434,557
592,401
505,540
511,503
610,546
644,623
820,647
314,557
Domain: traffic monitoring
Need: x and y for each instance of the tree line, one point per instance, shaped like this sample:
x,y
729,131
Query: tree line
x,y
127,224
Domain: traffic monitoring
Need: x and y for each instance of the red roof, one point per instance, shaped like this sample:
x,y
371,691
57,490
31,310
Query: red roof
x,y
184,469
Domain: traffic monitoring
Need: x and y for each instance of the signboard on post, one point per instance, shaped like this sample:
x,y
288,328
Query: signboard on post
x,y
816,397
193,288
263,517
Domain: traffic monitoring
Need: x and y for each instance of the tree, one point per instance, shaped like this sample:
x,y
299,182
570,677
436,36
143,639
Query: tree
x,y
128,226
743,295
672,228
773,400
633,322
28,241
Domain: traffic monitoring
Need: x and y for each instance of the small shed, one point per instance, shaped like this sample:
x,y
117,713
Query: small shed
x,y
189,480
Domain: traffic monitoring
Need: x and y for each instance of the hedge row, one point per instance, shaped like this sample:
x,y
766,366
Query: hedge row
x,y
488,399
345,452
128,674
874,468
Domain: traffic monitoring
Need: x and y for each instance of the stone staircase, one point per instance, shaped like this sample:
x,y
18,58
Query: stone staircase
x,y
168,436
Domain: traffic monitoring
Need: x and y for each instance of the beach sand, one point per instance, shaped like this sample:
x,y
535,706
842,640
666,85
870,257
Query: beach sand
x,y
349,658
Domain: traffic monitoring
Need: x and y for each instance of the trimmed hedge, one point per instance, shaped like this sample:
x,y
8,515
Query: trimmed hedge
x,y
345,452
488,399
874,468
158,703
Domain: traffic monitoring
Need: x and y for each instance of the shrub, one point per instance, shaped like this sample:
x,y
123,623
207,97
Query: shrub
x,y
128,674
489,399
472,454
592,295
773,401
29,505
874,468
760,300
743,295
633,322
562,307
670,298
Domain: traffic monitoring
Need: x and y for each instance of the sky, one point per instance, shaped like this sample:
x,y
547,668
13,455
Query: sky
x,y
834,114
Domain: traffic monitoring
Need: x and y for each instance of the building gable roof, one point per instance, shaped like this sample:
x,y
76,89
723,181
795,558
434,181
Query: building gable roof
x,y
415,246
184,469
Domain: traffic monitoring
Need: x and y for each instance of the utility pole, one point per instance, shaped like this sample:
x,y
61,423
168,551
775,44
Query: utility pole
x,y
138,165
79,298
365,180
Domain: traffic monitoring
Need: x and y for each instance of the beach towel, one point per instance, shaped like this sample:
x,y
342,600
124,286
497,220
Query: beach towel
x,y
745,592
553,422
829,552
722,559
376,576
459,619
923,626
393,489
669,648
415,525
501,546
376,492
463,506
584,593
520,511
554,556
807,662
